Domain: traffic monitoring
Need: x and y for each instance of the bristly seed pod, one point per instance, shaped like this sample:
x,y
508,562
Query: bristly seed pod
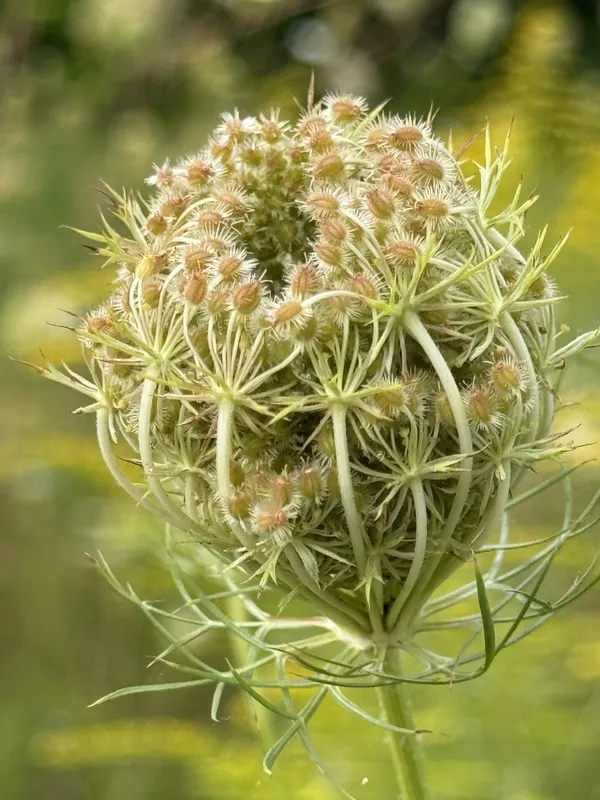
x,y
330,368
247,297
507,376
194,288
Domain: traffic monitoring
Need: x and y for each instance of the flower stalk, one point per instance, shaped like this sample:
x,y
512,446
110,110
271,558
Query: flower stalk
x,y
405,753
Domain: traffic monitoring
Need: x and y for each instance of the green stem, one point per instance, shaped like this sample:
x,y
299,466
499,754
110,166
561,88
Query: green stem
x,y
396,708
353,519
265,719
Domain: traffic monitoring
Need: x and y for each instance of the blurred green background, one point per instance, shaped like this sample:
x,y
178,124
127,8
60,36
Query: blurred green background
x,y
94,89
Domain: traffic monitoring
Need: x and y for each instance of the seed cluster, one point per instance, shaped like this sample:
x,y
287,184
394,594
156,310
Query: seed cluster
x,y
328,364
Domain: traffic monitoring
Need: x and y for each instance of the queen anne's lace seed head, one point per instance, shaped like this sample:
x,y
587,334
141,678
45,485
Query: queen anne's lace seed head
x,y
329,362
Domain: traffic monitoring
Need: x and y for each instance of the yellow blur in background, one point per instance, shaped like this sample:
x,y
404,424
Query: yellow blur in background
x,y
101,89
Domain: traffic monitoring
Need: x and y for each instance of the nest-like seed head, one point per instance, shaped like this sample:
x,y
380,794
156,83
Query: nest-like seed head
x,y
330,364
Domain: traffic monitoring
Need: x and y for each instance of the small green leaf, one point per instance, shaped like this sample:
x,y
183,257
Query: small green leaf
x,y
346,703
149,688
216,702
487,620
257,696
300,721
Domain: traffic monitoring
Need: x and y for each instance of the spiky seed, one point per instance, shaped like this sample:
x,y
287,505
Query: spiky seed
x,y
309,482
328,253
198,259
405,137
269,520
323,204
480,406
304,280
238,504
200,171
194,288
345,108
429,169
432,208
287,312
247,297
381,202
151,294
156,224
363,286
334,230
329,166
506,376
172,206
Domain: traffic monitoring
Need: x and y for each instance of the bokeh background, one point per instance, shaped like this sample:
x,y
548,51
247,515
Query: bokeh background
x,y
94,89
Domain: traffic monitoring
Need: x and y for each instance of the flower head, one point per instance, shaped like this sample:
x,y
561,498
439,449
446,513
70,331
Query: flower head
x,y
329,363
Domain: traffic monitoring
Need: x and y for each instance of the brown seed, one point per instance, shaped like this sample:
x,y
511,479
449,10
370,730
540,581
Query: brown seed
x,y
506,376
281,490
238,504
287,311
198,259
376,138
120,298
330,166
304,280
328,253
172,206
405,137
194,288
323,204
200,172
98,323
444,408
479,405
320,140
237,474
310,482
539,286
340,305
270,519
428,168
247,297
151,294
381,202
403,251
156,224
432,207
312,124
326,441
211,216
363,286
399,185
345,109
149,266
276,161
232,201
391,399
229,265
221,150
234,129
334,230
251,155
215,242
270,130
